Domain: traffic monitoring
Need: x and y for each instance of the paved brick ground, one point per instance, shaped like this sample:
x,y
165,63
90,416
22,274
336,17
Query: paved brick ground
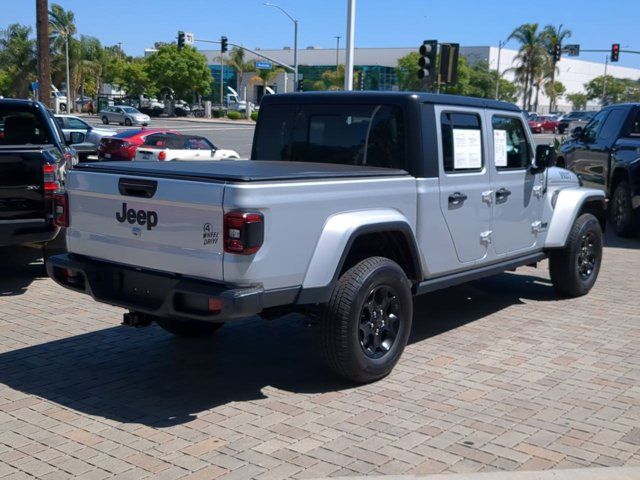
x,y
499,375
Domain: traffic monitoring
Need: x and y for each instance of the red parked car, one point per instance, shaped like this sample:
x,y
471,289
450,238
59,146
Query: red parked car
x,y
123,145
544,123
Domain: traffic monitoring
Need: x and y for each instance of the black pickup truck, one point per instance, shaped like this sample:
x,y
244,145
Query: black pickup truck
x,y
34,158
605,154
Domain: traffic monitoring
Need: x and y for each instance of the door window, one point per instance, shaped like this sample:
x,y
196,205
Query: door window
x,y
511,147
461,142
590,131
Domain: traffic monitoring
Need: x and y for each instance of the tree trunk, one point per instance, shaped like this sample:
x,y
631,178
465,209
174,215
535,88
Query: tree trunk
x,y
537,95
526,89
44,59
552,97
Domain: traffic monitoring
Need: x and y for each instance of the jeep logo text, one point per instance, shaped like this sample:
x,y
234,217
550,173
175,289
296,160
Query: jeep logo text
x,y
141,217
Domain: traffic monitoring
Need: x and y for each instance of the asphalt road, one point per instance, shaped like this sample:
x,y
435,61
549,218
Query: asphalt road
x,y
237,137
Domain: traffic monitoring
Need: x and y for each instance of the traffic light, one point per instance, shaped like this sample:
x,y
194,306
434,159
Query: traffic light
x,y
224,44
427,62
301,85
615,52
361,80
557,52
449,63
181,38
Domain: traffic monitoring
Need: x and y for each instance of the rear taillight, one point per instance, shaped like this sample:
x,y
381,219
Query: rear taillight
x,y
162,155
61,210
51,180
243,232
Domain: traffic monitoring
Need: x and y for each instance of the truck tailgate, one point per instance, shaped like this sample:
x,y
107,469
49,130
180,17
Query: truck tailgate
x,y
156,223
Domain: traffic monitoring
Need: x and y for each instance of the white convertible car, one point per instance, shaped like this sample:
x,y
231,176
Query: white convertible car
x,y
168,147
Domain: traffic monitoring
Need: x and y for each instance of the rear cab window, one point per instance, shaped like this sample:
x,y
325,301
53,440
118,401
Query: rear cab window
x,y
23,125
371,135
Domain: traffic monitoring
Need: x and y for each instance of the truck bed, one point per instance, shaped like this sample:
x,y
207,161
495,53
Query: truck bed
x,y
239,171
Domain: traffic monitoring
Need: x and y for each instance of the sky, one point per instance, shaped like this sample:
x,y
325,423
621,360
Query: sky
x,y
379,23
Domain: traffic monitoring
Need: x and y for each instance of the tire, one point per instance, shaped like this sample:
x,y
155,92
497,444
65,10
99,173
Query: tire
x,y
127,122
349,343
621,211
105,120
188,328
574,269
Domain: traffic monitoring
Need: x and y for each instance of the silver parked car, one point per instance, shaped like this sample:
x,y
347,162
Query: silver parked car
x,y
84,137
124,115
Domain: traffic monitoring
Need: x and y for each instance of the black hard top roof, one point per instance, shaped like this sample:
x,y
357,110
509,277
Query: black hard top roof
x,y
385,97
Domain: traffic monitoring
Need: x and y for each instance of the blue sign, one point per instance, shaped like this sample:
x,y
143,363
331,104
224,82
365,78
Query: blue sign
x,y
264,65
34,86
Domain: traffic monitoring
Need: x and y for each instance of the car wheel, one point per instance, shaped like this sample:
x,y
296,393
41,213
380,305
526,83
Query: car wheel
x,y
367,321
188,328
127,122
574,269
105,120
621,210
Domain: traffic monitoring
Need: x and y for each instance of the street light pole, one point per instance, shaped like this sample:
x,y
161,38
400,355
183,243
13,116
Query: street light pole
x,y
500,45
351,26
295,42
604,79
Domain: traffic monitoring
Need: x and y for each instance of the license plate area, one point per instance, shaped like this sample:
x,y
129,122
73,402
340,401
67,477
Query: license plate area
x,y
145,289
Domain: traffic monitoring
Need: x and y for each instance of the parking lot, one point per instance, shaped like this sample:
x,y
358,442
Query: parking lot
x,y
500,374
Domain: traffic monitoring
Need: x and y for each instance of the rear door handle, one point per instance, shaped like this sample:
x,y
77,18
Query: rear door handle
x,y
503,194
457,198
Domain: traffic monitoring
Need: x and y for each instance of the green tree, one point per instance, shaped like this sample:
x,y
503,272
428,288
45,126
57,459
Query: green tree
x,y
185,71
237,61
530,59
132,76
266,76
17,60
63,27
332,79
407,72
554,90
578,100
615,89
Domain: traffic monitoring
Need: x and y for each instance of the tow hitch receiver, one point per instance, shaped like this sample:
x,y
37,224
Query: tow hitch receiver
x,y
137,319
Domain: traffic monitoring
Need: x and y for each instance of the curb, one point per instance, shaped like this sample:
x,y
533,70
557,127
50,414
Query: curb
x,y
611,473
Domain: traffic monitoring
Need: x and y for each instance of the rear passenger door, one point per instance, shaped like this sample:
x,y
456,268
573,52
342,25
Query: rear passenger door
x,y
518,192
465,181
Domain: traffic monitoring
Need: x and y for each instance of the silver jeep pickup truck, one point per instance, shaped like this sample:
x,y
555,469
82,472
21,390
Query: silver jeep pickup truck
x,y
352,204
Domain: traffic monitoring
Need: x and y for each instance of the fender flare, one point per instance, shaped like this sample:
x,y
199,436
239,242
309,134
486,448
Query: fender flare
x,y
568,204
338,235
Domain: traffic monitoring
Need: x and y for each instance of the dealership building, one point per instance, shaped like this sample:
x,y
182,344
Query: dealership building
x,y
378,65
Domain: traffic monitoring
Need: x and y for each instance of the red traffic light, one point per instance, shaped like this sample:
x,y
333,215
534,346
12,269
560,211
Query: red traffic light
x,y
615,52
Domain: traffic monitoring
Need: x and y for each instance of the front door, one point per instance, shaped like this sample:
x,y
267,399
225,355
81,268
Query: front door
x,y
465,182
518,193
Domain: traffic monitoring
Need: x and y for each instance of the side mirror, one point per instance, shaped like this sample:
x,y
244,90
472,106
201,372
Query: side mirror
x,y
545,156
576,132
76,137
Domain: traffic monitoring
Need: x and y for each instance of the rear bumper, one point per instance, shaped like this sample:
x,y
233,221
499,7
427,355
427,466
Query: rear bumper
x,y
155,293
20,233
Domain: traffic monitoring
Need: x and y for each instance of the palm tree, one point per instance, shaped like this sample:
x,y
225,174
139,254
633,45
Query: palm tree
x,y
266,76
331,79
237,62
44,55
63,27
17,59
552,36
531,56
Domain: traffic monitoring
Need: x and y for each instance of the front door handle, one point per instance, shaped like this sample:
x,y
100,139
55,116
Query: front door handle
x,y
503,194
457,198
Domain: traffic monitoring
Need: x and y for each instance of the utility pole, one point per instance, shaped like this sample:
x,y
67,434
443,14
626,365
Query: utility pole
x,y
222,80
338,37
500,45
604,79
351,27
44,59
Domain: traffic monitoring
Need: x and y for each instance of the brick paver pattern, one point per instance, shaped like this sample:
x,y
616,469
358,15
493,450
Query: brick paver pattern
x,y
500,374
